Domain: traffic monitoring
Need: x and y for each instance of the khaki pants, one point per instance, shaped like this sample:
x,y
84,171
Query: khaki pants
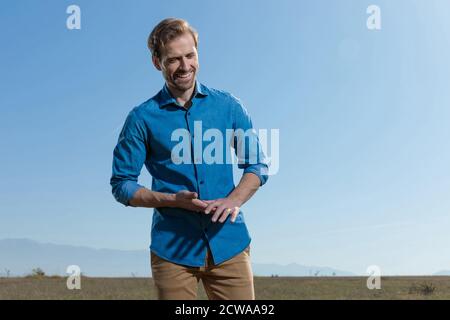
x,y
230,280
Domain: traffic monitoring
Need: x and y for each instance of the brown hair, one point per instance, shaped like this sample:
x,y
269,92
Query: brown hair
x,y
167,30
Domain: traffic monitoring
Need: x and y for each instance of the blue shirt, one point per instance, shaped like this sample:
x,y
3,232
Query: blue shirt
x,y
151,134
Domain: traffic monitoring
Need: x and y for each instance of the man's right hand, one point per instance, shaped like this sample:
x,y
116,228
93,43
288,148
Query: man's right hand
x,y
189,200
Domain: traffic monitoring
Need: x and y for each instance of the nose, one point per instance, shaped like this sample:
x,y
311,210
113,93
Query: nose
x,y
184,65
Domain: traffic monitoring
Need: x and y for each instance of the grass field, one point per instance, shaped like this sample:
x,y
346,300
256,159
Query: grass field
x,y
278,288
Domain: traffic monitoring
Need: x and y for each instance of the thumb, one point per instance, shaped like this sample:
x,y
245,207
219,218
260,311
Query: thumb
x,y
190,195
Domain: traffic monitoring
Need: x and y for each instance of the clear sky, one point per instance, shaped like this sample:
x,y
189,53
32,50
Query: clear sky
x,y
364,119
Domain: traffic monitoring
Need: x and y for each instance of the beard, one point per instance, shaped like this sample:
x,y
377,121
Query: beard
x,y
184,80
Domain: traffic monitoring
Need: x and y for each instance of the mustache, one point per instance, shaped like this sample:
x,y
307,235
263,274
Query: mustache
x,y
183,72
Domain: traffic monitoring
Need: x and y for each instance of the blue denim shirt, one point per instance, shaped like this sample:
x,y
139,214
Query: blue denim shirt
x,y
153,134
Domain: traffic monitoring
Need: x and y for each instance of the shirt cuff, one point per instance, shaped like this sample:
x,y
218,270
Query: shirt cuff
x,y
126,191
261,170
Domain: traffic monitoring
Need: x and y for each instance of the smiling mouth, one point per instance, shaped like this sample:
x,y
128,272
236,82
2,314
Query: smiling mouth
x,y
184,76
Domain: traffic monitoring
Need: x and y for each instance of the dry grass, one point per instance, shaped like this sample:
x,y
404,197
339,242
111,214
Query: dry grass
x,y
281,288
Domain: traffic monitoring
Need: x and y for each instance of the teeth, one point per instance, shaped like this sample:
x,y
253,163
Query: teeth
x,y
184,75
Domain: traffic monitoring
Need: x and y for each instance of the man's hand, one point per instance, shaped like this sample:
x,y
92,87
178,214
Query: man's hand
x,y
189,200
223,208
231,205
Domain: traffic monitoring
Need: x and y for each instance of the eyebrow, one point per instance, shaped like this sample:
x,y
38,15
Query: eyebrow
x,y
177,57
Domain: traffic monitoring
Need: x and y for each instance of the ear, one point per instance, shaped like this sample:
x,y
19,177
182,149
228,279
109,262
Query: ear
x,y
156,62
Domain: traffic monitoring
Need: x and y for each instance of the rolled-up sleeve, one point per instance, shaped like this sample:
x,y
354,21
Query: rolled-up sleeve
x,y
128,158
246,144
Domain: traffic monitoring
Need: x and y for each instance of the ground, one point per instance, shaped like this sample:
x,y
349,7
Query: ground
x,y
277,288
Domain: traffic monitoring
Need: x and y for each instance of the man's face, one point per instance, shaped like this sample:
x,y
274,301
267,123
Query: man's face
x,y
179,63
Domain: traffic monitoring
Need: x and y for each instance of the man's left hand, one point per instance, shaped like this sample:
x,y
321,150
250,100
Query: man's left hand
x,y
223,208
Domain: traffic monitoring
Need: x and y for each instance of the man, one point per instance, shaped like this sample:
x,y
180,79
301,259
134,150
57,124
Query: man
x,y
198,230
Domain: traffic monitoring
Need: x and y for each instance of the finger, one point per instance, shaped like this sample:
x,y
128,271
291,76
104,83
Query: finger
x,y
199,203
210,206
185,194
235,214
191,195
209,202
225,214
218,213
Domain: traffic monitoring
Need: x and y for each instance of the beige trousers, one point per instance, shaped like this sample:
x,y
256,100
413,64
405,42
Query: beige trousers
x,y
230,280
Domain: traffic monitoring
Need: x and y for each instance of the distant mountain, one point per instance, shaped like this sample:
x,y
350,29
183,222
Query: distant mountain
x,y
20,256
296,270
442,273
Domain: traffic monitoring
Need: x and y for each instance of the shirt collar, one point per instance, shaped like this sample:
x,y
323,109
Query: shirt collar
x,y
166,98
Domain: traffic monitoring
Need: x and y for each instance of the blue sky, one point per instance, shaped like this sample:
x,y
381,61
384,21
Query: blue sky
x,y
364,123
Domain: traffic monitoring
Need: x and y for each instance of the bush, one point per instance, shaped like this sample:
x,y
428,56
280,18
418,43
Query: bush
x,y
423,289
37,272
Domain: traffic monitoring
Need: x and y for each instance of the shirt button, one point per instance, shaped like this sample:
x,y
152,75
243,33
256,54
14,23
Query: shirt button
x,y
201,182
189,113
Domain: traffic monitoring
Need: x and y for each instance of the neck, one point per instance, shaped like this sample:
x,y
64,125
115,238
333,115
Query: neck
x,y
183,98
